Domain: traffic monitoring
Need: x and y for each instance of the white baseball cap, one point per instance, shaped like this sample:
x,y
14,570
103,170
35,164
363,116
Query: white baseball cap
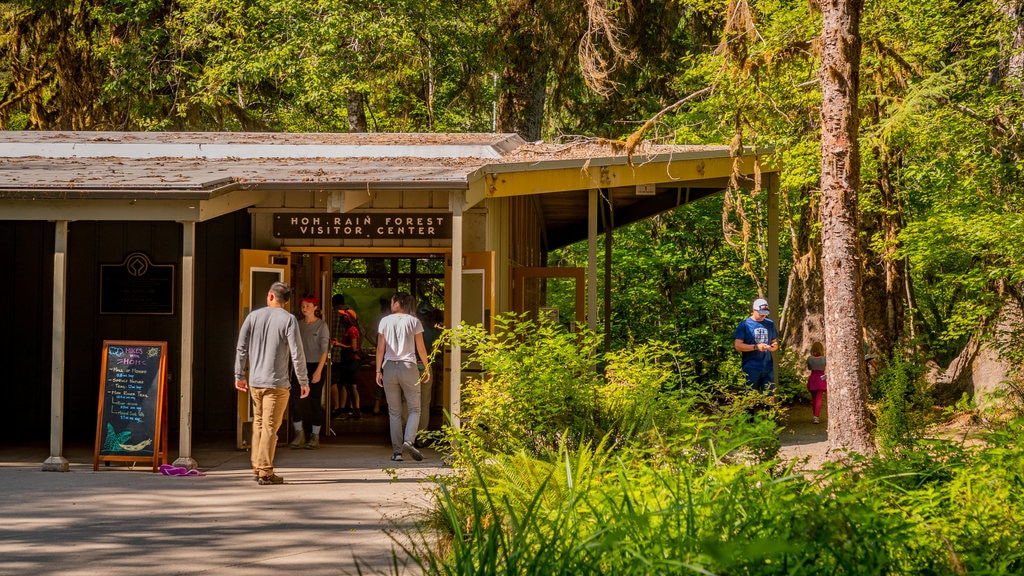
x,y
760,306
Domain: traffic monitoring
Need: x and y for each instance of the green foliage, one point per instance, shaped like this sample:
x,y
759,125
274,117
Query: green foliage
x,y
791,383
540,388
536,385
293,66
941,509
900,400
961,504
960,256
260,65
675,280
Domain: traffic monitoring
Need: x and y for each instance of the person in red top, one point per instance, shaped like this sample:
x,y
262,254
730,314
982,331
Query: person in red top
x,y
347,367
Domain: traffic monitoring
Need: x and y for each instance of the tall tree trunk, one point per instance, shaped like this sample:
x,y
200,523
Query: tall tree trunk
x,y
356,112
523,83
1013,10
839,76
521,102
884,282
804,323
77,77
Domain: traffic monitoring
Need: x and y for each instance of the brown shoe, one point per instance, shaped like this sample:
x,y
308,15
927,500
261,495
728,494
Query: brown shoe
x,y
271,479
314,442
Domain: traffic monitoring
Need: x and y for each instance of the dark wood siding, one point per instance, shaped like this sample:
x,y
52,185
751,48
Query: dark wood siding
x,y
216,321
26,276
91,244
27,280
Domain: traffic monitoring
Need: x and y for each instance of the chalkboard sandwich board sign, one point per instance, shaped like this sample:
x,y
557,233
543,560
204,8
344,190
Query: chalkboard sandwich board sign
x,y
131,422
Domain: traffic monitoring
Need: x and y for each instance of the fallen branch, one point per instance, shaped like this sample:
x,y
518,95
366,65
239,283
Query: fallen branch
x,y
634,139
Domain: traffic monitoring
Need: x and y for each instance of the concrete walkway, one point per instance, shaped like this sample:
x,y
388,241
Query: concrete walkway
x,y
334,514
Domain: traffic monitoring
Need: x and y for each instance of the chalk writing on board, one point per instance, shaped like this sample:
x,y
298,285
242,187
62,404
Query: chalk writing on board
x,y
131,423
130,388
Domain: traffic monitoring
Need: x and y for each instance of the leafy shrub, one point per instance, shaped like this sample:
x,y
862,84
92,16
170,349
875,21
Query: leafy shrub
x,y
591,513
791,374
536,386
900,401
539,388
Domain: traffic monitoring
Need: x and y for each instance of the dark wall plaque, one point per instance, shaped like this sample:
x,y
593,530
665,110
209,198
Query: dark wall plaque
x,y
137,286
378,225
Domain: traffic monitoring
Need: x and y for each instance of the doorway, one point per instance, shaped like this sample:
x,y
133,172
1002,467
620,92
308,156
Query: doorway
x,y
363,284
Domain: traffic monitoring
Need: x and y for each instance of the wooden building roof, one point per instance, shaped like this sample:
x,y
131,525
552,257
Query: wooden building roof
x,y
198,176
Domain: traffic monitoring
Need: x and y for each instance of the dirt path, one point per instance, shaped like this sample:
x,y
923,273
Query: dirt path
x,y
802,439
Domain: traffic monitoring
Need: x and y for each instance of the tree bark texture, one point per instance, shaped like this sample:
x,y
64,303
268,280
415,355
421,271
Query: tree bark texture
x,y
356,112
523,82
1013,11
804,323
885,277
839,76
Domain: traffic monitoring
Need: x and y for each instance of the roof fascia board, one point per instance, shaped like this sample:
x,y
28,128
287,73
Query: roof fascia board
x,y
364,186
766,156
560,176
102,210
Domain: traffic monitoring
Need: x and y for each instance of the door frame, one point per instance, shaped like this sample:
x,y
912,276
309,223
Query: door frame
x,y
520,275
251,262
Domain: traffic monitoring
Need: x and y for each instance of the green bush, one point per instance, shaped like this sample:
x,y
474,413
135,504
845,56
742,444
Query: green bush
x,y
536,386
541,387
943,508
900,405
791,374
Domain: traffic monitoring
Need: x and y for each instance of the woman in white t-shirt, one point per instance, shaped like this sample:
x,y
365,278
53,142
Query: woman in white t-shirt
x,y
399,339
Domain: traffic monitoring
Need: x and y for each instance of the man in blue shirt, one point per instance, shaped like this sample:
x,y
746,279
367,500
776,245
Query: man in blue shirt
x,y
756,338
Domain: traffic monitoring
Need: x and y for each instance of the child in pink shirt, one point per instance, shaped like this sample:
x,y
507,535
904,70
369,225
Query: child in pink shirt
x,y
816,384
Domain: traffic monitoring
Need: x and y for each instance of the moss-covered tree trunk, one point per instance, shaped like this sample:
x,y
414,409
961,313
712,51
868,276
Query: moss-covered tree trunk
x,y
804,322
839,76
527,60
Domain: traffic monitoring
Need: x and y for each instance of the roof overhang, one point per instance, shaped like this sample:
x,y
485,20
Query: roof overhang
x,y
657,179
199,176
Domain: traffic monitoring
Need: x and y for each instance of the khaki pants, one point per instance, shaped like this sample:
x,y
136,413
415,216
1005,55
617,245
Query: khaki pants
x,y
268,407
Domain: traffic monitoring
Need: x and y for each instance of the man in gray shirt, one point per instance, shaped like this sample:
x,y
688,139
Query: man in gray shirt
x,y
267,338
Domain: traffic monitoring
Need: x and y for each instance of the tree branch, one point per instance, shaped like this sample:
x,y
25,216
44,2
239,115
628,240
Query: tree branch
x,y
634,139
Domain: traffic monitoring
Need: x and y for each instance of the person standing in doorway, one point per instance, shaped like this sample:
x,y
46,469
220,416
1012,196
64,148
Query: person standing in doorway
x,y
337,329
348,344
427,315
756,338
816,384
268,337
315,342
399,339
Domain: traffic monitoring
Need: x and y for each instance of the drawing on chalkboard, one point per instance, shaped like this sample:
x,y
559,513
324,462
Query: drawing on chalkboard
x,y
136,447
114,439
